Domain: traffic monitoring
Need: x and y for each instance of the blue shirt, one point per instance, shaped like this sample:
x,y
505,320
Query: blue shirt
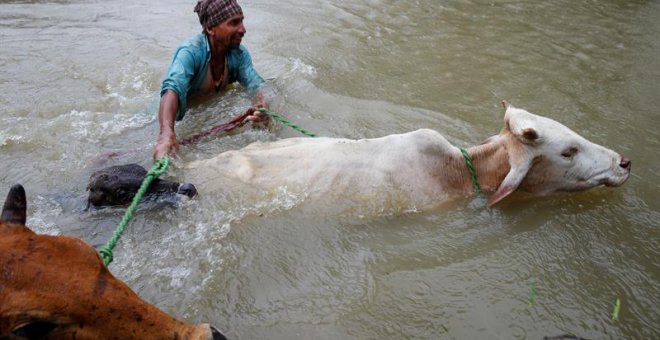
x,y
190,65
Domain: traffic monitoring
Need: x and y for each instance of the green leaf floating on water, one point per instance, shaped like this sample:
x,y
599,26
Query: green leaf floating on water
x,y
617,308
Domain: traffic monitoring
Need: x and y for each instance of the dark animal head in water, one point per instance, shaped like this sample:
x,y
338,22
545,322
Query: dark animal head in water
x,y
117,185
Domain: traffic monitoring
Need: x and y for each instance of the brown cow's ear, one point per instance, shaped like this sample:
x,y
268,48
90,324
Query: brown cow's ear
x,y
15,205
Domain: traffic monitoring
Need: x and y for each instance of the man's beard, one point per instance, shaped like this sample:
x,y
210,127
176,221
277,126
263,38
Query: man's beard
x,y
235,42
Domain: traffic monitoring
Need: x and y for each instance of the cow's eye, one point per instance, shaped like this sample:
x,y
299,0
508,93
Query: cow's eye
x,y
34,330
570,152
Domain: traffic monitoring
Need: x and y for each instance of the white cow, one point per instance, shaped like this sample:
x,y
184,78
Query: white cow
x,y
419,169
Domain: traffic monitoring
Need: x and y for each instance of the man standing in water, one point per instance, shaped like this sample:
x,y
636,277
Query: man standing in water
x,y
203,66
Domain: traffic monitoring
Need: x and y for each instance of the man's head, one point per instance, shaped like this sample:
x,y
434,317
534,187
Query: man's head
x,y
222,20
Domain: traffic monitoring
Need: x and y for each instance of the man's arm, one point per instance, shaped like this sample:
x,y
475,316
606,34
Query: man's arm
x,y
166,142
174,91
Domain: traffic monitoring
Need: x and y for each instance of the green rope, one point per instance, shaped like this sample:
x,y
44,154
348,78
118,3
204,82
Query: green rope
x,y
159,168
473,172
284,121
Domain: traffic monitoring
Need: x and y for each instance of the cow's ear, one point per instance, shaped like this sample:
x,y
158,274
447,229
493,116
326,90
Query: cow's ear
x,y
530,135
14,209
520,161
509,185
521,124
523,127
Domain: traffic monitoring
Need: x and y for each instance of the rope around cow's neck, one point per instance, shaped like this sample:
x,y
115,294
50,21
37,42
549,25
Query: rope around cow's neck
x,y
159,168
473,172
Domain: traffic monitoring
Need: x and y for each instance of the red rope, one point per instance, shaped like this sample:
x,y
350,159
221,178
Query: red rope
x,y
234,123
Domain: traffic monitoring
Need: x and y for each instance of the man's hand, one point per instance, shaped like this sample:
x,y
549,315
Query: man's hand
x,y
166,145
256,116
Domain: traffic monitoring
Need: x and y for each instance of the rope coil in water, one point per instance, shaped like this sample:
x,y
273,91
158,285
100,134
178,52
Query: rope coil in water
x,y
159,168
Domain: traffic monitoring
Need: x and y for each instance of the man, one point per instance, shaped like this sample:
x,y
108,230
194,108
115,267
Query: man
x,y
203,66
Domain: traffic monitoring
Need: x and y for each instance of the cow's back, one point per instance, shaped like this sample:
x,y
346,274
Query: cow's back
x,y
394,167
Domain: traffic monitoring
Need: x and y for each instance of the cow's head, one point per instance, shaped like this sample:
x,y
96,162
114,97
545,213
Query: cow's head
x,y
546,156
57,287
117,185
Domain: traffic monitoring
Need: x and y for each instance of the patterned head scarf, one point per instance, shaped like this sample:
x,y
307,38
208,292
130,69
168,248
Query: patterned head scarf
x,y
213,12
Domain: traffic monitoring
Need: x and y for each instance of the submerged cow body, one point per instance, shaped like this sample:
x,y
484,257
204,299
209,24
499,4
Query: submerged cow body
x,y
420,169
57,287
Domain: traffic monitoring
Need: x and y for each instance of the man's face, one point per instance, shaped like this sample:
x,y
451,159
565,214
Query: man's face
x,y
228,33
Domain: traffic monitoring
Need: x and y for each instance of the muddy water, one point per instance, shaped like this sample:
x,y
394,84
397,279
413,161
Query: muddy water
x,y
79,79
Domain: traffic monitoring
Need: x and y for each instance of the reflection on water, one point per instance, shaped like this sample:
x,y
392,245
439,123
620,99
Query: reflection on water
x,y
81,78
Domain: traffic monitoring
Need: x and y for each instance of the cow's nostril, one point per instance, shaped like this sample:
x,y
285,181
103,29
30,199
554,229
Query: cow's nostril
x,y
625,163
188,190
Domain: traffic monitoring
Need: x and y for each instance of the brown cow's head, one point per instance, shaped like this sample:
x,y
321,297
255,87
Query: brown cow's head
x,y
56,287
117,185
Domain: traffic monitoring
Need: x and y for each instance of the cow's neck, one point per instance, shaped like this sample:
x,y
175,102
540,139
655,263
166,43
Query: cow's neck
x,y
491,162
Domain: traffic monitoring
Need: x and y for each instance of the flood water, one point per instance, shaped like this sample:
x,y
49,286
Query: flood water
x,y
79,79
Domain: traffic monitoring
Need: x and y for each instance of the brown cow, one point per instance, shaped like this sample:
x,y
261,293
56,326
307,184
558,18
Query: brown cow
x,y
57,287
